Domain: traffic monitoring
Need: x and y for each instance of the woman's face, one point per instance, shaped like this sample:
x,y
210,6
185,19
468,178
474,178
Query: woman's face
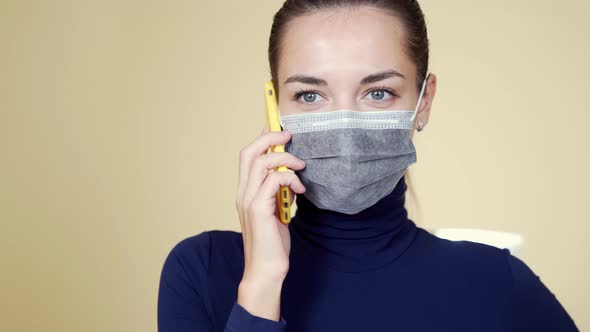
x,y
348,58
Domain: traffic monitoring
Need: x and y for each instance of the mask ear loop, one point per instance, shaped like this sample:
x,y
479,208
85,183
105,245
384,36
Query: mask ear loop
x,y
420,97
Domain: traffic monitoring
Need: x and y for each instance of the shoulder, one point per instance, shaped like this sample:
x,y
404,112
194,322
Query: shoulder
x,y
196,276
481,268
197,251
206,257
534,303
531,304
471,254
466,255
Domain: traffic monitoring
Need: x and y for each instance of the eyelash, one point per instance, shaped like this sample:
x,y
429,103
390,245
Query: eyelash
x,y
383,88
301,92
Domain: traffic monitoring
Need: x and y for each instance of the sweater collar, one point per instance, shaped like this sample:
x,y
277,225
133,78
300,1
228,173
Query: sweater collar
x,y
355,243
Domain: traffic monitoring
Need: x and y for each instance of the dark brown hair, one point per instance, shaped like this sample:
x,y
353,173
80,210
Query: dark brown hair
x,y
407,11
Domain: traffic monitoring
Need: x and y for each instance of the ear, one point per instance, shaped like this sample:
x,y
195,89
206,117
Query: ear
x,y
423,113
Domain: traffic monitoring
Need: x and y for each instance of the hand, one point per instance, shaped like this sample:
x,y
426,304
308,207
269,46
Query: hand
x,y
267,242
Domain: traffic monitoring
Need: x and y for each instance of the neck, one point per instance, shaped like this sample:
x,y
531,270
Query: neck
x,y
364,241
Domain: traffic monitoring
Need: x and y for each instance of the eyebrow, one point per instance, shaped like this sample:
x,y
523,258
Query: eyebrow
x,y
306,80
381,76
367,80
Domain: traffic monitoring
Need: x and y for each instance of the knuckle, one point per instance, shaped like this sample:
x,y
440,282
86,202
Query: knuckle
x,y
259,162
293,178
246,205
284,158
251,211
265,137
276,177
244,153
272,136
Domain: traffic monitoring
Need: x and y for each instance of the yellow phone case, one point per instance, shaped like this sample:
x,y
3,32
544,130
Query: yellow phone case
x,y
272,117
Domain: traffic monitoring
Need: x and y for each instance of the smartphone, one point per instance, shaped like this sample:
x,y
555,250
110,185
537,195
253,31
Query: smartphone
x,y
274,124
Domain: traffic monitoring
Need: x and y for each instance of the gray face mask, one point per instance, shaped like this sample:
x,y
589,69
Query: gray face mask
x,y
352,159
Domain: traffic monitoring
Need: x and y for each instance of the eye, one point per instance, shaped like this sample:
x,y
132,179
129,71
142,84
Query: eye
x,y
307,96
380,94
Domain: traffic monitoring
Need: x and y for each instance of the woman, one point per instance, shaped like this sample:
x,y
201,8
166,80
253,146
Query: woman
x,y
350,260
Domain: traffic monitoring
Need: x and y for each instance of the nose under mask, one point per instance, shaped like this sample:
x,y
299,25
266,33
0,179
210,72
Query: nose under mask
x,y
353,158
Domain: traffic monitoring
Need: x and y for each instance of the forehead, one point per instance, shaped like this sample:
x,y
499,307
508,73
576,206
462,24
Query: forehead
x,y
343,40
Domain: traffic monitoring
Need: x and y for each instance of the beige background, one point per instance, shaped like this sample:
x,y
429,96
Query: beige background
x,y
121,124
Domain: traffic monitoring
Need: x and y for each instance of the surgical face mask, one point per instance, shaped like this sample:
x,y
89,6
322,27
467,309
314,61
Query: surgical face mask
x,y
353,158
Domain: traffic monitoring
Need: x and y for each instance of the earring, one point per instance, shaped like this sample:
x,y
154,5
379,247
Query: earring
x,y
420,126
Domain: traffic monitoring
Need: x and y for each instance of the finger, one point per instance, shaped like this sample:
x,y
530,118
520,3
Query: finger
x,y
262,165
291,196
266,195
258,147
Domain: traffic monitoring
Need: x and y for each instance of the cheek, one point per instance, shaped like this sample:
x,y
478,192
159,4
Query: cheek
x,y
286,105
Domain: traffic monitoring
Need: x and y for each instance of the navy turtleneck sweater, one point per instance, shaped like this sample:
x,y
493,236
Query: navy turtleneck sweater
x,y
373,271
